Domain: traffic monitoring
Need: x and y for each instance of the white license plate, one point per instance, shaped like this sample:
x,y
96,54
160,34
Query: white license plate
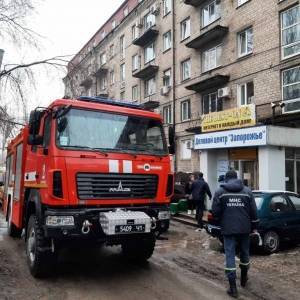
x,y
130,228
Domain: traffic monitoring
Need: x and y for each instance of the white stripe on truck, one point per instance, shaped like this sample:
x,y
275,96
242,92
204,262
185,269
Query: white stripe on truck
x,y
127,166
113,166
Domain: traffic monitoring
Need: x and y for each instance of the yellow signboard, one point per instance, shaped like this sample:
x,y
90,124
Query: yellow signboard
x,y
243,116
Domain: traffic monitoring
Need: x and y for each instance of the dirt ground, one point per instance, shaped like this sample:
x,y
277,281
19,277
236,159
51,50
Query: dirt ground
x,y
185,265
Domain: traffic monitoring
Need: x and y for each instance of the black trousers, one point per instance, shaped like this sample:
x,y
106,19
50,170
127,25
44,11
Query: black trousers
x,y
199,212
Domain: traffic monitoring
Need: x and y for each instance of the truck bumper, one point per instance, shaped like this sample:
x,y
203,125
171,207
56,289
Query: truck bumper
x,y
96,233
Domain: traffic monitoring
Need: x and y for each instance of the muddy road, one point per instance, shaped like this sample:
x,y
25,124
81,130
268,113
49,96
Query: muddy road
x,y
187,265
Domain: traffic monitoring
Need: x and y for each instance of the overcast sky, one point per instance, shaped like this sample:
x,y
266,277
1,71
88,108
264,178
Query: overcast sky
x,y
66,26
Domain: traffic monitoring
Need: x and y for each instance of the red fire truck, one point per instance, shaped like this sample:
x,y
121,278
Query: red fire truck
x,y
88,170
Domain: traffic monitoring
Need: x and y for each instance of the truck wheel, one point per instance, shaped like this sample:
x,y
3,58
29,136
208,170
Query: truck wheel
x,y
139,249
271,242
12,229
41,261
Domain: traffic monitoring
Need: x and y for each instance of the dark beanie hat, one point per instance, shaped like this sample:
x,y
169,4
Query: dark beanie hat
x,y
230,175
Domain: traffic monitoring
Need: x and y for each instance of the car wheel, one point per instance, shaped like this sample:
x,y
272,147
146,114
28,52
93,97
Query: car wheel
x,y
271,242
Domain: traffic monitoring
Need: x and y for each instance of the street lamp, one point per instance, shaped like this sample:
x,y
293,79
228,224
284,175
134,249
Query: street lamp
x,y
1,56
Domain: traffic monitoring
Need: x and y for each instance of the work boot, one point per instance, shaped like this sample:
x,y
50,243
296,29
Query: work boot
x,y
244,276
232,291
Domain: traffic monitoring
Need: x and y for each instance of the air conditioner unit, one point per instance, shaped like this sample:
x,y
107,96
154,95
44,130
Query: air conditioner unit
x,y
154,9
190,144
139,24
165,90
224,92
122,85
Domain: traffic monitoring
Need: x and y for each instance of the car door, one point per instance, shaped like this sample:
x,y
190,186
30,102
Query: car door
x,y
281,212
295,200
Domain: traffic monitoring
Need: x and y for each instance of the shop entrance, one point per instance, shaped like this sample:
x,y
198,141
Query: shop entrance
x,y
245,162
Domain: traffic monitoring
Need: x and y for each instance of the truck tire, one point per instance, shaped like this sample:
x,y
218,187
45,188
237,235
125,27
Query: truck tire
x,y
139,249
41,261
12,229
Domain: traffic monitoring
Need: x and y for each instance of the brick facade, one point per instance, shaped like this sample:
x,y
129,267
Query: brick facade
x,y
263,66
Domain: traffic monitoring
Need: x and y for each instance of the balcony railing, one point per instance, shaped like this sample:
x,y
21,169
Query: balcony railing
x,y
194,2
147,72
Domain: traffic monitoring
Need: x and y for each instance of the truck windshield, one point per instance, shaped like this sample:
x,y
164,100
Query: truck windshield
x,y
81,129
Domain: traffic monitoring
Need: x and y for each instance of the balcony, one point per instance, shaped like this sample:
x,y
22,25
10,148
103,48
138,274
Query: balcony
x,y
147,72
102,70
146,37
87,82
208,83
215,34
150,104
194,2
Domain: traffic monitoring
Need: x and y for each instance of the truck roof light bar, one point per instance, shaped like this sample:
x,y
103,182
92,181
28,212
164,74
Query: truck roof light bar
x,y
113,102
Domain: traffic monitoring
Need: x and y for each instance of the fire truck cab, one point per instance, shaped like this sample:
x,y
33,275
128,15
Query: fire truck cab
x,y
88,170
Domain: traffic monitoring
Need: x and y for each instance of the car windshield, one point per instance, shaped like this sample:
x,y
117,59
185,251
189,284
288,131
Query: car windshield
x,y
95,130
259,201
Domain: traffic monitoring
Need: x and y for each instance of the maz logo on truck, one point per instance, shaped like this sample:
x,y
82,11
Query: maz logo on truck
x,y
119,188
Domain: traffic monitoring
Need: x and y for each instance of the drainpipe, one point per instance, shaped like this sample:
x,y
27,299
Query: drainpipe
x,y
174,82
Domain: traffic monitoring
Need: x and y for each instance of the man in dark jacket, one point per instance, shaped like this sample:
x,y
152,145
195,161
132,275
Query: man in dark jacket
x,y
234,206
199,189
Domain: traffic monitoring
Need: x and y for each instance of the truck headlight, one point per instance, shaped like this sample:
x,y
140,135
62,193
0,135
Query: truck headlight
x,y
164,215
60,221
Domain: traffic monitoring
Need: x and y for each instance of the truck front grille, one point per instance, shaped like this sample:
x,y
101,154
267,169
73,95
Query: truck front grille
x,y
116,186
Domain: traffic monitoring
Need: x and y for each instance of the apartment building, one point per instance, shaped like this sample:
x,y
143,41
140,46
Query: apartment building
x,y
207,64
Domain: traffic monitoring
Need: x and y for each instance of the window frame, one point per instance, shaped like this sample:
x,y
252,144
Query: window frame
x,y
122,46
239,45
135,62
167,36
122,72
239,93
182,69
145,51
185,142
282,30
167,76
217,17
182,38
167,114
217,65
167,9
188,116
135,88
210,102
147,87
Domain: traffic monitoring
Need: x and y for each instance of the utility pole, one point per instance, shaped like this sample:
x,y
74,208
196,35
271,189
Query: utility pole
x,y
1,56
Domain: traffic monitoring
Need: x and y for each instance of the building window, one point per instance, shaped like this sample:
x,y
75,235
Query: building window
x,y
245,42
167,78
185,29
103,83
167,40
290,32
135,62
167,114
111,51
210,12
135,93
246,93
167,6
211,103
134,32
185,110
241,2
122,95
113,24
149,53
102,58
150,87
112,77
292,169
122,46
125,11
291,89
122,73
186,152
186,69
211,58
149,21
103,34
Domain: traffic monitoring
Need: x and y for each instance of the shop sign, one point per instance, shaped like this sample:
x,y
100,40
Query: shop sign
x,y
246,137
243,116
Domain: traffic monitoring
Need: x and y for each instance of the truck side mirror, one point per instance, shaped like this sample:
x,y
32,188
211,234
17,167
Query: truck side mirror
x,y
35,140
171,134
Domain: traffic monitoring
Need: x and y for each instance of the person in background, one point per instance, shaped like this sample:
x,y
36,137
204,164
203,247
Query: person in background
x,y
188,194
234,206
199,189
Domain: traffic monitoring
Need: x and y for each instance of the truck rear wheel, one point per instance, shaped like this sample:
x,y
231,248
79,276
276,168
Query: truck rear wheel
x,y
139,249
41,261
12,229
